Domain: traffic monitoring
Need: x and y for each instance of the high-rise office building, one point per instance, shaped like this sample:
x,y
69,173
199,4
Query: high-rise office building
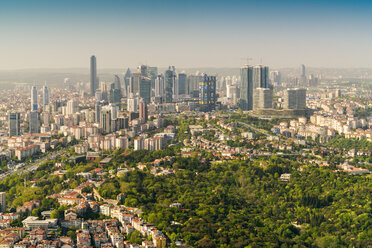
x,y
159,86
193,85
262,98
71,107
45,97
132,103
303,75
246,88
117,83
182,78
98,95
175,88
34,104
105,121
142,69
135,82
251,79
145,89
207,93
3,201
34,122
127,78
143,113
169,81
93,75
14,124
113,108
260,77
301,98
303,71
295,99
115,96
152,73
97,109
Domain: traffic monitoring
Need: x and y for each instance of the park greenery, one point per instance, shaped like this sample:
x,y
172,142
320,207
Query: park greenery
x,y
238,204
348,144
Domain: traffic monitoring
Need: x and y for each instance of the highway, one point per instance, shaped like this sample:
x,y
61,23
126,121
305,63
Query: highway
x,y
253,128
34,165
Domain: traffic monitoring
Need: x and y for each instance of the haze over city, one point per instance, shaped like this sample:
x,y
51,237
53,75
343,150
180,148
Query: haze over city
x,y
62,34
181,124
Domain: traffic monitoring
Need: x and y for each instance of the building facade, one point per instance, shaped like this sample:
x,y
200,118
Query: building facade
x,y
207,93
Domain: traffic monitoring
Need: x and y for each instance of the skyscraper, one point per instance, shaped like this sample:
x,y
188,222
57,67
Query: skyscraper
x,y
152,72
45,97
117,83
115,96
143,70
97,109
143,114
105,123
98,95
159,86
295,99
182,77
132,103
246,88
34,104
303,75
93,75
14,124
169,84
303,71
251,79
193,85
127,78
207,93
260,77
262,98
71,107
34,123
135,83
145,89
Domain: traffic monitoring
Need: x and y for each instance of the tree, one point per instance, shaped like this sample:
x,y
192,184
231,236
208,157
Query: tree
x,y
72,233
135,237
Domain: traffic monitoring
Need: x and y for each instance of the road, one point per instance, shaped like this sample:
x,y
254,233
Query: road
x,y
34,165
253,128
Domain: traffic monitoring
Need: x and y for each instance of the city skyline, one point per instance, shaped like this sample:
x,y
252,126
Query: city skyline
x,y
187,34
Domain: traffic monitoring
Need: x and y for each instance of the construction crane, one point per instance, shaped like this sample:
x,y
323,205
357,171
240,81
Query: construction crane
x,y
247,59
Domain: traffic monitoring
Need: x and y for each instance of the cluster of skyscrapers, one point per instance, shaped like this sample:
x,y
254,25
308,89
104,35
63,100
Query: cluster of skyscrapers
x,y
255,90
148,86
14,118
136,90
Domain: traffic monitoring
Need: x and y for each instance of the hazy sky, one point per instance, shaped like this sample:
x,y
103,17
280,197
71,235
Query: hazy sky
x,y
188,33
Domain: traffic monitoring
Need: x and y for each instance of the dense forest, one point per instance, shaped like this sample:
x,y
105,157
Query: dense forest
x,y
237,204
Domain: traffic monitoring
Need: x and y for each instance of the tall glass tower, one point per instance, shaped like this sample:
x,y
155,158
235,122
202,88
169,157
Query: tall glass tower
x,y
182,77
252,78
45,97
14,124
207,93
169,84
246,88
34,103
93,75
